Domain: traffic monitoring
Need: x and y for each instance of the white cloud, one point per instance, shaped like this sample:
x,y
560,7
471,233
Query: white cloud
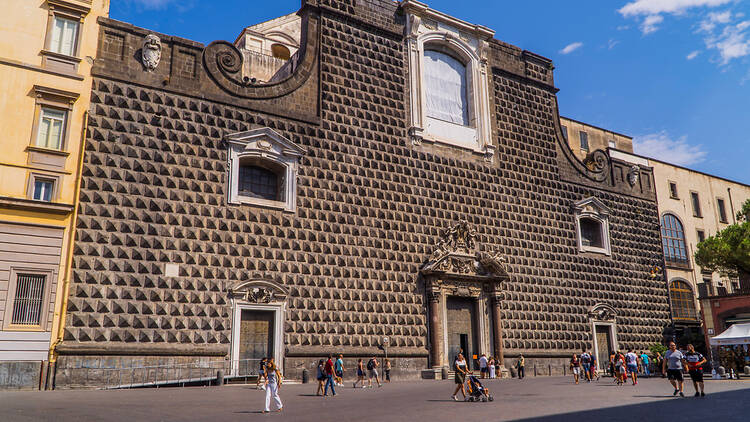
x,y
652,11
656,7
693,54
729,39
649,24
661,146
571,47
152,4
612,43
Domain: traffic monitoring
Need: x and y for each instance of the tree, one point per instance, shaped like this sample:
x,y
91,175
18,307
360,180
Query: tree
x,y
728,252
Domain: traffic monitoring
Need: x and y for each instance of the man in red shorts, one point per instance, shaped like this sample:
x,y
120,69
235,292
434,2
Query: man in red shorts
x,y
695,361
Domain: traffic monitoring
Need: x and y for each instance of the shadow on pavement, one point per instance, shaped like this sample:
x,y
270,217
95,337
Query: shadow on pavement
x,y
725,407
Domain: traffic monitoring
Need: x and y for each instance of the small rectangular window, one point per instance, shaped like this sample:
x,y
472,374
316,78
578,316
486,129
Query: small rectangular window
x,y
28,300
584,140
673,190
701,235
51,128
612,143
43,189
722,210
696,204
64,32
565,132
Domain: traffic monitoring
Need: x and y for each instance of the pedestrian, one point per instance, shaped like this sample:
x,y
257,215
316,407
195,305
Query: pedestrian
x,y
321,377
620,369
673,367
646,365
261,374
273,384
459,377
329,377
586,364
387,370
631,359
659,363
612,364
695,361
483,366
594,373
521,366
372,372
491,364
575,366
360,374
338,367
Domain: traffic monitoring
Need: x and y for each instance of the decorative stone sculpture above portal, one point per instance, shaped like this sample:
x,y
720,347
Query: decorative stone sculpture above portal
x,y
456,253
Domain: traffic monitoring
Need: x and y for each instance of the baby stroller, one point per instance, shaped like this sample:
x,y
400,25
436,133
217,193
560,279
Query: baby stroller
x,y
476,391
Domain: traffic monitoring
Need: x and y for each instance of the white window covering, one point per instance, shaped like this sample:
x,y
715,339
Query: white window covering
x,y
27,305
445,85
64,36
50,133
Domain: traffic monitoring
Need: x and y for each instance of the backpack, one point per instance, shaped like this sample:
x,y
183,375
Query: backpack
x,y
370,365
585,358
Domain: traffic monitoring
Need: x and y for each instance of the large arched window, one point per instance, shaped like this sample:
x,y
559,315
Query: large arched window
x,y
673,240
683,302
445,88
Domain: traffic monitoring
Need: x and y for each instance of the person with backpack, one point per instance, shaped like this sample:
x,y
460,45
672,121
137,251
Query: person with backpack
x,y
360,374
321,377
329,377
594,373
372,372
586,364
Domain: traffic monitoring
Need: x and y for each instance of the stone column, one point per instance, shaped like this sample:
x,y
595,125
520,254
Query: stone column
x,y
497,323
436,330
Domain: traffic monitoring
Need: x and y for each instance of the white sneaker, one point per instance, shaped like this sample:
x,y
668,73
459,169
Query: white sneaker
x,y
454,398
364,386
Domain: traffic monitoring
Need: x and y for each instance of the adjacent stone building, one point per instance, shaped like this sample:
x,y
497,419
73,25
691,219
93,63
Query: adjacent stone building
x,y
406,188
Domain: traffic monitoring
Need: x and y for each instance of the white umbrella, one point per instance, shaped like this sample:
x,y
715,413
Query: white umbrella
x,y
736,334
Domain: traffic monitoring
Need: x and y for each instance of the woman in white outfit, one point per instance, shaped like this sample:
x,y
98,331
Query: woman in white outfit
x,y
491,364
273,383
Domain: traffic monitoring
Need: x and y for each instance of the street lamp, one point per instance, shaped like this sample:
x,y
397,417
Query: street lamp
x,y
386,340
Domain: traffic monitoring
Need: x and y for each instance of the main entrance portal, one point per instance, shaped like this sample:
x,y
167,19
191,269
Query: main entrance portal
x,y
256,338
603,345
461,329
464,290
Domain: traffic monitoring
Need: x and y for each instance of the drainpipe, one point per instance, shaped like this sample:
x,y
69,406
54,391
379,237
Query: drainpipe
x,y
58,337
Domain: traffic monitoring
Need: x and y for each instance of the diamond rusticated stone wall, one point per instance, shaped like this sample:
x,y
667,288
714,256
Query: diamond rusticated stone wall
x,y
370,207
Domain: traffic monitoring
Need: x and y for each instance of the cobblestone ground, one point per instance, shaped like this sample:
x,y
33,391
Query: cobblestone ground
x,y
544,399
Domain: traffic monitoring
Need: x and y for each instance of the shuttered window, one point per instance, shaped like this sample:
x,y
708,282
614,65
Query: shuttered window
x,y
27,302
64,33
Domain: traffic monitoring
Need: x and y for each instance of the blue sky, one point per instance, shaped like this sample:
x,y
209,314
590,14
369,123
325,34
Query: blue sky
x,y
674,74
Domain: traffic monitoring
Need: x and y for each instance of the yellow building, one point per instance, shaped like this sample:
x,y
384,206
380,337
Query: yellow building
x,y
47,48
584,138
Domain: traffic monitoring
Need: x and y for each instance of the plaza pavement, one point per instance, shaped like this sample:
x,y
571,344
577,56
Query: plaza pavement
x,y
540,399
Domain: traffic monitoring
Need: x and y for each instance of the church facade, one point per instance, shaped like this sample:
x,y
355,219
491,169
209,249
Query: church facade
x,y
401,186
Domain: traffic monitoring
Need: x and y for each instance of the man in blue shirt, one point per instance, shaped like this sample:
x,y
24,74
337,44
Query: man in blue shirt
x,y
339,370
645,362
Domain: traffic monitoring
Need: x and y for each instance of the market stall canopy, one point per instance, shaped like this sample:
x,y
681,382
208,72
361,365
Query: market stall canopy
x,y
736,334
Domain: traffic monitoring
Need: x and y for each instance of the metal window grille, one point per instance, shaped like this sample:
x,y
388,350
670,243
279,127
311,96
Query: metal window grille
x,y
27,303
259,182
